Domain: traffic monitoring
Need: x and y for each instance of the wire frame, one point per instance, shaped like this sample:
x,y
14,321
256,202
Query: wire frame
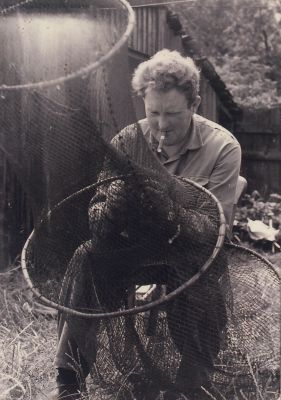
x,y
83,71
27,262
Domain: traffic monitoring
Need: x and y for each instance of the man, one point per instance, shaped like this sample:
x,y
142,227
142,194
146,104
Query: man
x,y
193,147
188,146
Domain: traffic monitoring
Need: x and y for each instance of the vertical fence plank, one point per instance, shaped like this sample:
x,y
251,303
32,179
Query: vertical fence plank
x,y
259,134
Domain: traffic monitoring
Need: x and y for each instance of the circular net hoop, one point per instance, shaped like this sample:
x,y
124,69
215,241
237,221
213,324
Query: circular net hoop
x,y
56,23
150,343
61,63
61,103
61,249
154,351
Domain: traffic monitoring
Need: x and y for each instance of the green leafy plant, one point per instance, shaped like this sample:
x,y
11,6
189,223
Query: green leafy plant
x,y
254,207
242,38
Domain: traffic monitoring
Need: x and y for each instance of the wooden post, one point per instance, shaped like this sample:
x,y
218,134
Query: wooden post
x,y
4,257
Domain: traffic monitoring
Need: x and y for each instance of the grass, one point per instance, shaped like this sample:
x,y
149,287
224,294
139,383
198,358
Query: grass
x,y
28,342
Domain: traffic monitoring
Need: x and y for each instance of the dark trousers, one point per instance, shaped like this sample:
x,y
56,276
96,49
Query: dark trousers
x,y
195,318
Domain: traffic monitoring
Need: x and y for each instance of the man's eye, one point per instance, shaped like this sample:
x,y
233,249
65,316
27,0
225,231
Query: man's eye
x,y
153,113
173,113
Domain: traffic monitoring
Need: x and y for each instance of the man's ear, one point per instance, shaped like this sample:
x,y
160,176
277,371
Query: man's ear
x,y
196,104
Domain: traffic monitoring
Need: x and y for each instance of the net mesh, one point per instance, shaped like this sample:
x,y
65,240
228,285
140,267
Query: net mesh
x,y
133,257
150,347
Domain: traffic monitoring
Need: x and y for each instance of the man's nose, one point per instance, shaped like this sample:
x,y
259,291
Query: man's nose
x,y
163,124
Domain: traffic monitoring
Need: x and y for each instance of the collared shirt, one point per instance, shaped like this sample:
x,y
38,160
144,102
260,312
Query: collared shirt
x,y
210,156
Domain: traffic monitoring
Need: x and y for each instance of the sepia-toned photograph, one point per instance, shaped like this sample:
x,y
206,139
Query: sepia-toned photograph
x,y
140,199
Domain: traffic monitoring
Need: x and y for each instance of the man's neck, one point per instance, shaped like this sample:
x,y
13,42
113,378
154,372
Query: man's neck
x,y
173,150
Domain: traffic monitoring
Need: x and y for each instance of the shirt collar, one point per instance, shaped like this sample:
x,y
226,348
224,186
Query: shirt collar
x,y
194,138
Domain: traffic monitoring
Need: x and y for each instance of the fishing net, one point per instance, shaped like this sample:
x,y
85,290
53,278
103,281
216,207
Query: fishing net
x,y
132,257
58,91
248,362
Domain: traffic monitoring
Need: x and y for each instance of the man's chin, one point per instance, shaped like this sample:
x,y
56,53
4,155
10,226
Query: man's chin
x,y
169,143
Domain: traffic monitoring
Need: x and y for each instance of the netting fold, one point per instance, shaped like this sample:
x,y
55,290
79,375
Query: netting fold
x,y
133,257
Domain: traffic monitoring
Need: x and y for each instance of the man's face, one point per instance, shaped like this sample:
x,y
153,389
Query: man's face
x,y
168,113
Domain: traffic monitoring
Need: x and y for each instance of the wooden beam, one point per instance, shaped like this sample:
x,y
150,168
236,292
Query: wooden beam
x,y
258,155
144,3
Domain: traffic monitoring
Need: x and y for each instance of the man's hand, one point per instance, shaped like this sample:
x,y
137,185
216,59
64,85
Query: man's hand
x,y
155,199
108,210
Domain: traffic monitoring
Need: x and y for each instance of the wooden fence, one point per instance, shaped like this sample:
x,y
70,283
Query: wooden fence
x,y
15,214
259,133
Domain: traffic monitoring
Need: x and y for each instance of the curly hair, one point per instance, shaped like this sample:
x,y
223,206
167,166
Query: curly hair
x,y
167,70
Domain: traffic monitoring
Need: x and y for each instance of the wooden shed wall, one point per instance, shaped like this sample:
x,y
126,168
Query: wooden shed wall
x,y
3,231
15,214
209,103
260,136
151,32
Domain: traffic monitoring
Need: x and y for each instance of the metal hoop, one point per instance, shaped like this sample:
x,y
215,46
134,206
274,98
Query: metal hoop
x,y
156,303
231,245
89,68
